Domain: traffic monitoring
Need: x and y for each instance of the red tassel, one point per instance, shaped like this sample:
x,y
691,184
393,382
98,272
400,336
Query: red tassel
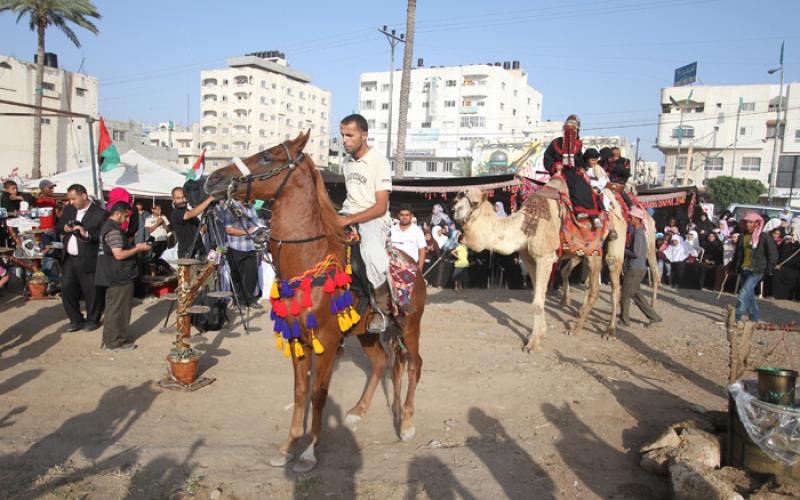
x,y
305,285
295,308
341,279
306,301
280,309
329,286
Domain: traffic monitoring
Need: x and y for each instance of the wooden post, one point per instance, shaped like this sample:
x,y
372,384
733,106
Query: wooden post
x,y
187,292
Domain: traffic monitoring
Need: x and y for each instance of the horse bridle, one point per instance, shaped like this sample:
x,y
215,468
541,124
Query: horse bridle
x,y
288,167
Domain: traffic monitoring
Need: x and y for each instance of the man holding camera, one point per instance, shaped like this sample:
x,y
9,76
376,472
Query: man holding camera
x,y
79,229
186,223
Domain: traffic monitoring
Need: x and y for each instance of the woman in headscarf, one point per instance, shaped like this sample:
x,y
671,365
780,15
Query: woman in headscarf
x,y
693,244
130,227
674,256
704,225
713,261
786,280
724,230
438,216
499,210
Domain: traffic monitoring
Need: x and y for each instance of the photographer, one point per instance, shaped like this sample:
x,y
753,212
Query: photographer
x,y
116,271
242,252
186,223
79,229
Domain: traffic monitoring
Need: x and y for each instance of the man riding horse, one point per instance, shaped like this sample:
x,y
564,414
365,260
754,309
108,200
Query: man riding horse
x,y
368,179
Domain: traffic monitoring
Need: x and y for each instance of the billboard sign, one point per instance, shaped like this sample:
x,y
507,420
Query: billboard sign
x,y
686,74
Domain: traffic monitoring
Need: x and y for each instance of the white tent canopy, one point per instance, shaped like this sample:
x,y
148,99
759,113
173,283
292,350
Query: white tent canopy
x,y
139,175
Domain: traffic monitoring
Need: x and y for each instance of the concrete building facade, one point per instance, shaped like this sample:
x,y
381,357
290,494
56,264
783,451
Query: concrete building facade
x,y
65,140
255,103
723,143
450,107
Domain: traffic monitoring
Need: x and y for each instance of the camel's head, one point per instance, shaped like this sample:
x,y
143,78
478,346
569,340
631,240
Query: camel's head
x,y
467,202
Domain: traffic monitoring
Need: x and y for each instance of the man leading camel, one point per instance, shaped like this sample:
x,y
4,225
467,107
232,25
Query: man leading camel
x,y
368,179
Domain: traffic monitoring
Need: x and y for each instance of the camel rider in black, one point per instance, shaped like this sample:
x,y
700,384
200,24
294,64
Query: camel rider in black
x,y
619,171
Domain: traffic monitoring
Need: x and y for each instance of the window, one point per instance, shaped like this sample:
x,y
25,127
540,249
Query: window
x,y
473,121
751,164
262,116
688,132
430,166
224,98
367,105
225,147
224,82
426,105
713,163
224,130
797,135
118,135
185,160
385,87
502,85
371,123
426,124
448,166
771,131
263,99
745,131
502,106
45,121
748,106
384,125
500,126
449,104
48,86
80,92
515,93
407,167
680,163
263,84
513,112
450,83
385,105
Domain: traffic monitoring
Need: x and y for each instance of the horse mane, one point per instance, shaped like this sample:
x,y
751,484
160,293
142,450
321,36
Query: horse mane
x,y
330,219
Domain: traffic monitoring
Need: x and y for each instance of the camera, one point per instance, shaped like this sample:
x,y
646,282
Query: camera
x,y
75,224
151,241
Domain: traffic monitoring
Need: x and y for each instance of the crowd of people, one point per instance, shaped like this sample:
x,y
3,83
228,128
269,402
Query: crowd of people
x,y
735,255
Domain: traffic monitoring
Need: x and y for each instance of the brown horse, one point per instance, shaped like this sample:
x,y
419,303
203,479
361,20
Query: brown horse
x,y
305,229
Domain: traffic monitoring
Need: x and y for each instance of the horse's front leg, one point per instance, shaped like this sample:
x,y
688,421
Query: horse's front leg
x,y
302,368
373,348
319,395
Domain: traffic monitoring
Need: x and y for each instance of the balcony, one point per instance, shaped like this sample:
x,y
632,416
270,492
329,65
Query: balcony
x,y
209,130
210,98
468,110
239,129
241,80
209,83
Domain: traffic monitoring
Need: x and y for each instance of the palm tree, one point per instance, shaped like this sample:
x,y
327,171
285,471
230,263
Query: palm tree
x,y
405,87
43,14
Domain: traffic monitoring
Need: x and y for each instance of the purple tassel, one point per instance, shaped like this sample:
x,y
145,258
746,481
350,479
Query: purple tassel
x,y
347,299
334,309
311,321
286,290
281,327
296,329
272,314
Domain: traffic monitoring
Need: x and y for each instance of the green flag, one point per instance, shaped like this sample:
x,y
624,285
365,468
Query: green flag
x,y
106,151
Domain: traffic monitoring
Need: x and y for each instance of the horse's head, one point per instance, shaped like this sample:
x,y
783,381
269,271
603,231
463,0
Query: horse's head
x,y
265,172
467,202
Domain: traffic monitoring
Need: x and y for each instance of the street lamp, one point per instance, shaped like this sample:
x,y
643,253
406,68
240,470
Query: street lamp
x,y
393,39
774,169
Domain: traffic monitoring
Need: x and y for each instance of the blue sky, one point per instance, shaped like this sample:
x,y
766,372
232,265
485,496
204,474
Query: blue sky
x,y
603,59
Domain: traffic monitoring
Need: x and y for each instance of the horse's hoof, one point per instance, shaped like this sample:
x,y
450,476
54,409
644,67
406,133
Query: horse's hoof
x,y
568,332
352,421
408,434
281,460
306,462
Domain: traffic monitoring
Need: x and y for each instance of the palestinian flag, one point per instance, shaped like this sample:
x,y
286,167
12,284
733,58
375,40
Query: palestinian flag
x,y
197,169
107,154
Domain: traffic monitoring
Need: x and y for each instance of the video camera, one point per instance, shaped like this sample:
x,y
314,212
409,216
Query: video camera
x,y
75,224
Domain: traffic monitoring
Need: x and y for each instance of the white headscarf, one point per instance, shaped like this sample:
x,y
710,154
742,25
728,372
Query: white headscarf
x,y
693,247
499,210
438,215
676,253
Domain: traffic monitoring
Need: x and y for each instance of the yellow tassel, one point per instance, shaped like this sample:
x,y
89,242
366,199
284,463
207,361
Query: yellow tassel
x,y
348,269
341,323
287,350
278,341
275,293
298,350
316,345
354,316
348,323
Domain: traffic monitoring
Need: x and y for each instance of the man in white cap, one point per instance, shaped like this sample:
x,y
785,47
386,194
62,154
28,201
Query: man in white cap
x,y
636,267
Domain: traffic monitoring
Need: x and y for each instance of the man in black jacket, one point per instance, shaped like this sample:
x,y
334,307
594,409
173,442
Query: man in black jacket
x,y
79,230
755,255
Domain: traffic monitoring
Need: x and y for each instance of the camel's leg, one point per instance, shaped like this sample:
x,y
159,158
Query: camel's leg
x,y
414,371
595,266
543,266
565,272
373,348
615,271
301,379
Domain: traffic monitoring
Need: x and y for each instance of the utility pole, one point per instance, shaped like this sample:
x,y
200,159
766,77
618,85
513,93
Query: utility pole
x,y
394,39
635,160
736,136
774,170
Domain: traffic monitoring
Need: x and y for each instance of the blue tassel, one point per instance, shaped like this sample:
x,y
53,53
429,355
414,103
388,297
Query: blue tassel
x,y
272,315
334,309
311,321
281,327
286,290
348,299
340,303
296,330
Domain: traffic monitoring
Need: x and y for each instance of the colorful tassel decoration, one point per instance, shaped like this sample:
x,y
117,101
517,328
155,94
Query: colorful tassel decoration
x,y
334,309
275,293
311,321
329,286
342,280
306,303
280,309
342,324
295,308
354,316
287,350
286,290
296,332
316,344
298,350
278,341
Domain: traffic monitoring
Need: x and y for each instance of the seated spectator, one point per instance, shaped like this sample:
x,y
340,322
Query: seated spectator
x,y
439,216
713,261
704,225
786,279
674,256
432,254
693,246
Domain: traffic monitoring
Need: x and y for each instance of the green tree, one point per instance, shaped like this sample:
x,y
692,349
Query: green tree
x,y
405,88
41,15
724,190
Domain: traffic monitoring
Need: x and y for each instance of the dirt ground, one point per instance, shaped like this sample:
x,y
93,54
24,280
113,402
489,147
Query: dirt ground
x,y
491,421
